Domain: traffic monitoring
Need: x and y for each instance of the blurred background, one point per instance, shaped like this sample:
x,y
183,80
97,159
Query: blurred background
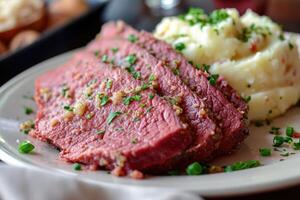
x,y
34,30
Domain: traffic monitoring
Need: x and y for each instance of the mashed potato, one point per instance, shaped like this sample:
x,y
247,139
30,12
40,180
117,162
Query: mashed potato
x,y
250,51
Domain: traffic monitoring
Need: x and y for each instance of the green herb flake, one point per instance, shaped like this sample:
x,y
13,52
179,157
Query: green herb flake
x,y
213,79
152,77
296,145
89,116
77,166
26,147
274,130
247,99
112,116
242,165
205,67
136,75
103,99
265,152
291,46
115,49
105,58
151,96
289,131
100,132
128,100
96,53
145,86
28,110
68,108
194,169
179,46
149,109
132,38
108,83
131,59
278,141
281,37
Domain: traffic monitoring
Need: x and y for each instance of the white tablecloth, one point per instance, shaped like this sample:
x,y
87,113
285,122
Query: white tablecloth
x,y
32,184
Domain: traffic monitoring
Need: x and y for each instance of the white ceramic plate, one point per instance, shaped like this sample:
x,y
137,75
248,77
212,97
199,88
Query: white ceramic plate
x,y
273,175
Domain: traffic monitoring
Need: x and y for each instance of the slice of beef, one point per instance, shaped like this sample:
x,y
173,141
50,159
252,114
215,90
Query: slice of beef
x,y
223,101
144,66
130,131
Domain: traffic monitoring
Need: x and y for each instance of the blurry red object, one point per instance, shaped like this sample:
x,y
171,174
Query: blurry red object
x,y
258,6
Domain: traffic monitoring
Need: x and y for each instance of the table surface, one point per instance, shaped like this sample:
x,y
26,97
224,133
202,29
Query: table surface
x,y
142,18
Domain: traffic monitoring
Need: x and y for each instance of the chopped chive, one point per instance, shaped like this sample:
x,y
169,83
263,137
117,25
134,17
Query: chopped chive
x,y
289,131
28,110
179,46
278,141
115,49
25,147
149,109
213,79
242,165
132,38
131,59
112,116
291,46
100,132
194,169
77,166
108,83
151,96
104,58
265,152
68,108
247,99
274,130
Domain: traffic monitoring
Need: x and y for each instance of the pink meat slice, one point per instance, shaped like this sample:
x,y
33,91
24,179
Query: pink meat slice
x,y
145,133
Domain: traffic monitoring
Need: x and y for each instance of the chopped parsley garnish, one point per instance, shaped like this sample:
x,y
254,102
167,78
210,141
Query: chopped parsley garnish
x,y
136,75
145,86
96,53
25,147
77,166
112,116
194,169
278,141
213,79
103,99
179,46
100,132
104,58
131,59
217,16
265,151
64,90
28,110
281,37
288,139
108,83
242,165
248,31
130,99
274,130
296,145
151,96
132,38
247,99
291,46
149,109
175,71
114,50
152,77
89,116
205,67
289,131
68,108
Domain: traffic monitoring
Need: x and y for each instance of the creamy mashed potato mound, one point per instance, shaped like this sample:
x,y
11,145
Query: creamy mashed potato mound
x,y
250,51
